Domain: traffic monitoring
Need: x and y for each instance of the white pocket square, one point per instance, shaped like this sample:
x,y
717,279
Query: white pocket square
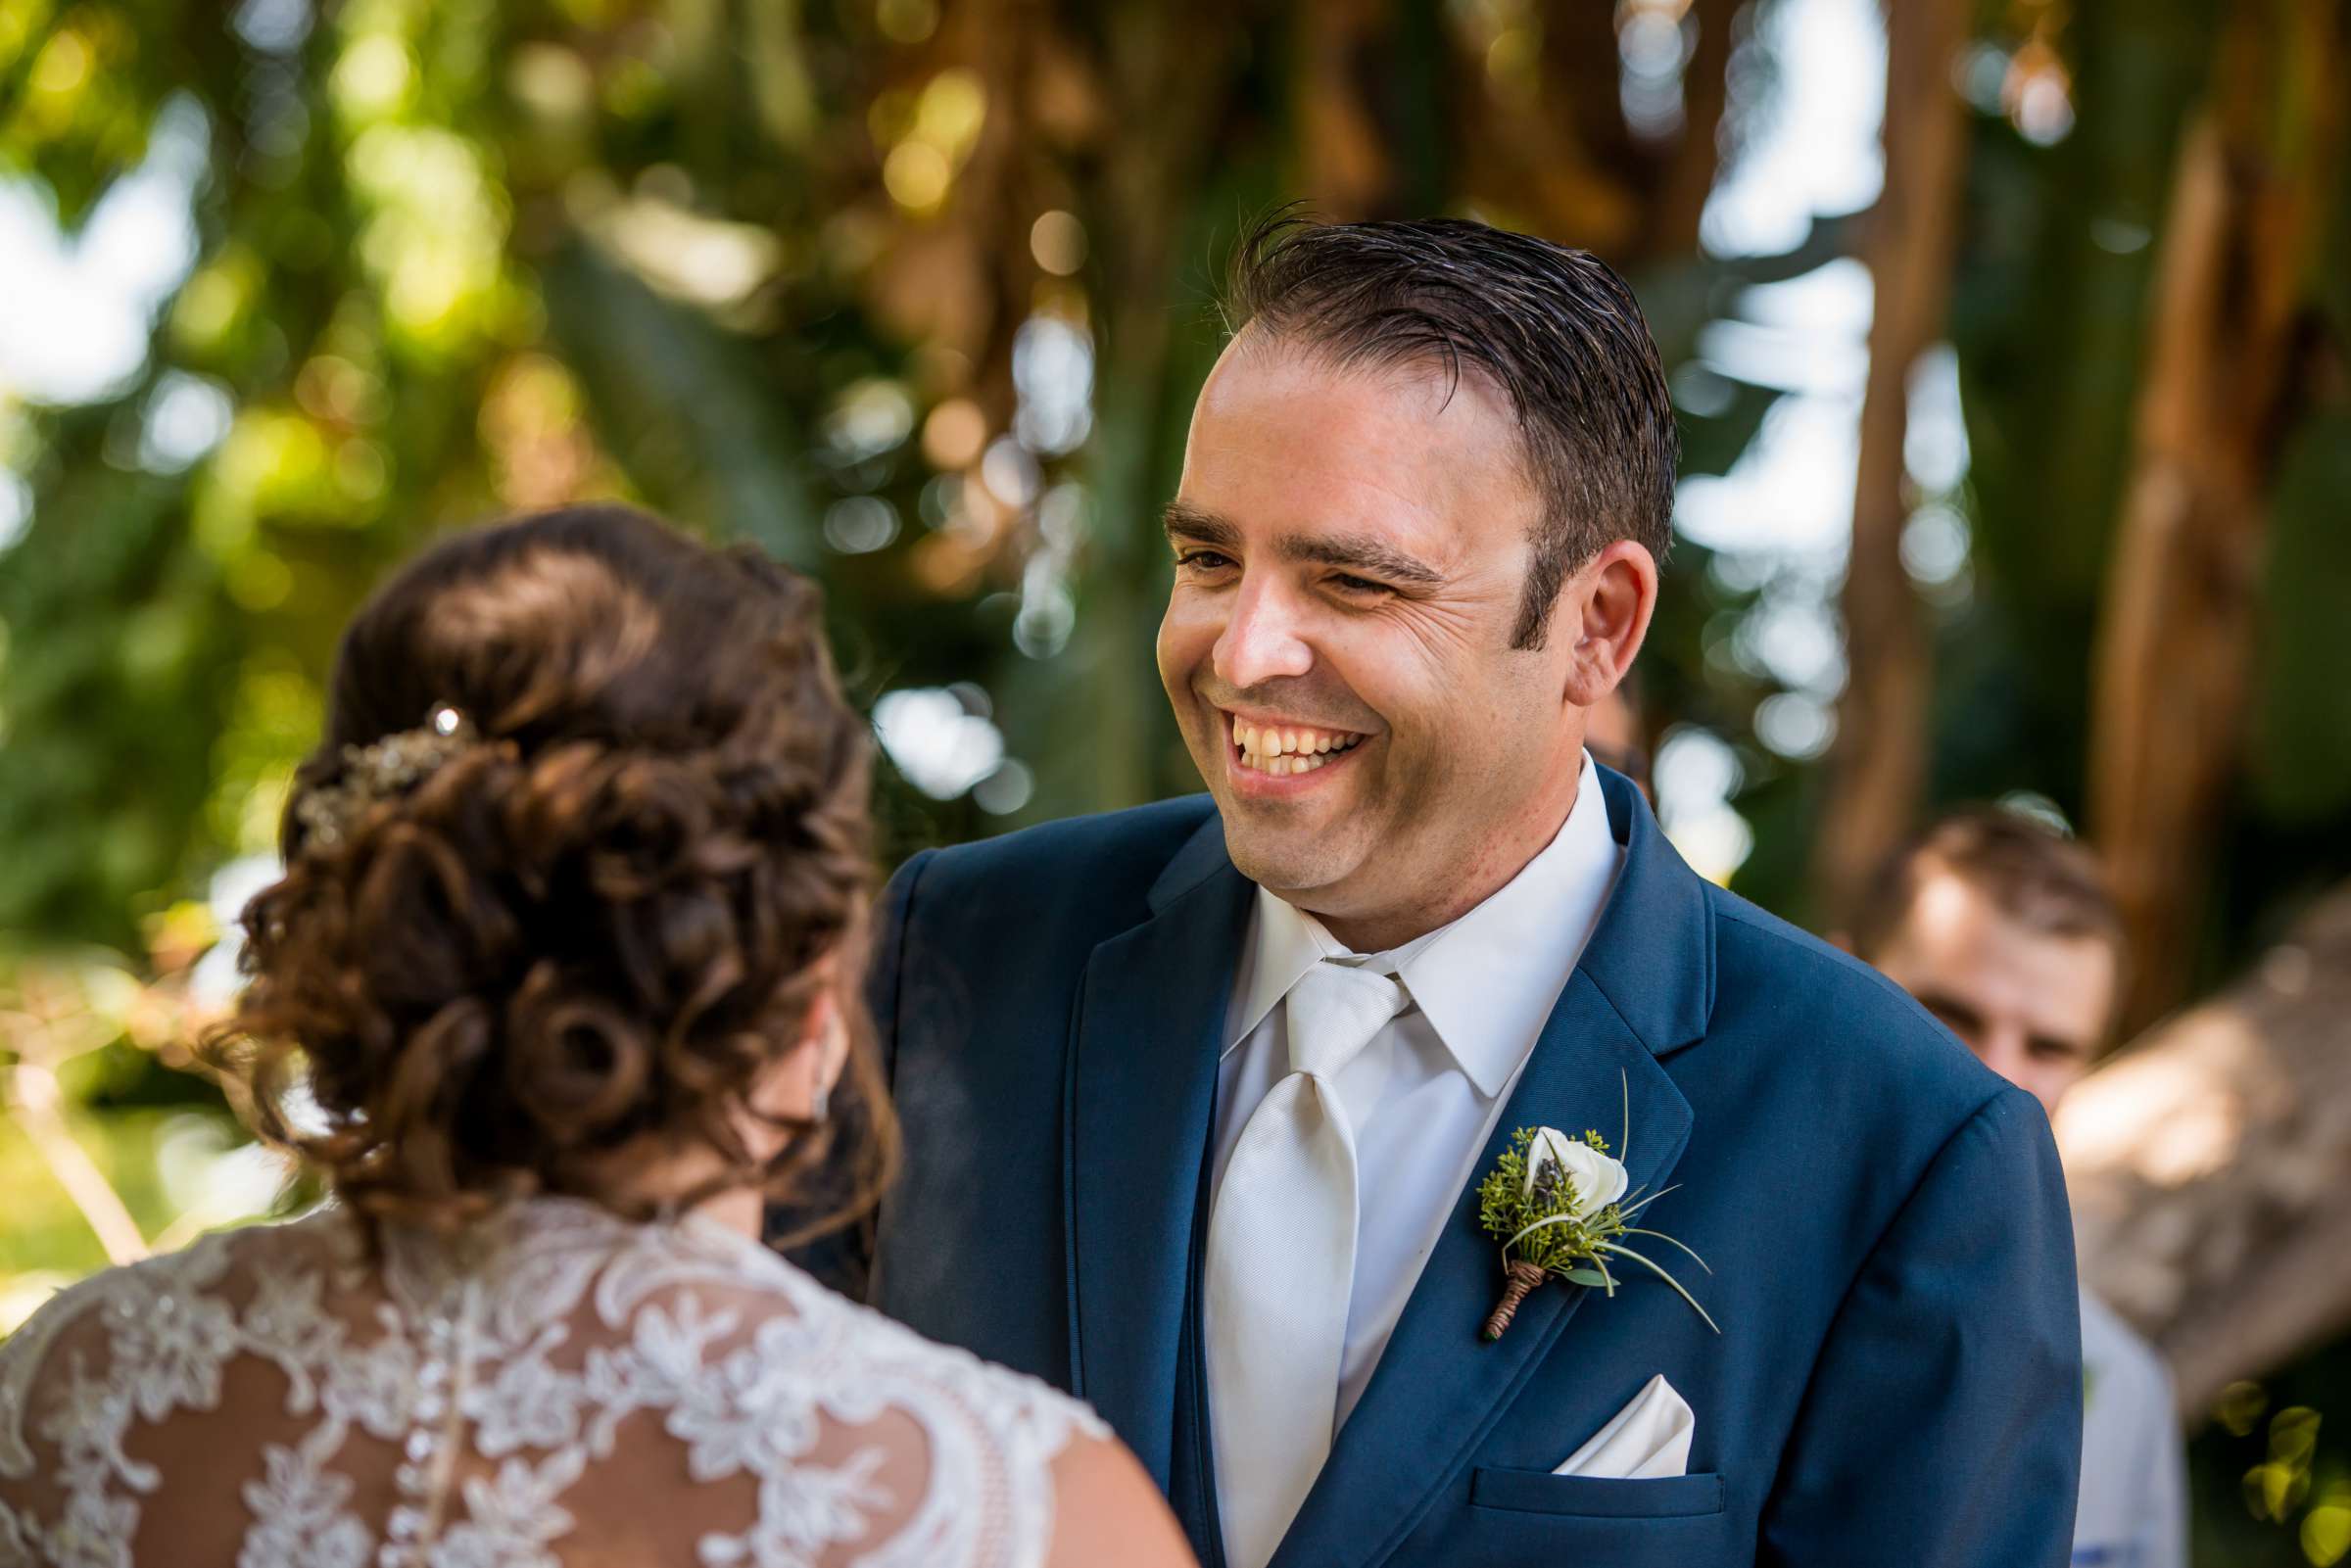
x,y
1647,1440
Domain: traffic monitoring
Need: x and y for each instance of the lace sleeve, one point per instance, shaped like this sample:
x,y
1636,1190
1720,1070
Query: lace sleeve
x,y
868,1443
992,1436
29,1462
77,1379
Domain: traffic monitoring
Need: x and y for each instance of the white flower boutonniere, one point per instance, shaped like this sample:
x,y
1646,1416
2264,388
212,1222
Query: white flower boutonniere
x,y
1597,1180
1559,1206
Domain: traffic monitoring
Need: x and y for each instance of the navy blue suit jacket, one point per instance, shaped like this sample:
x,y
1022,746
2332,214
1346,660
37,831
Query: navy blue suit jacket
x,y
1897,1380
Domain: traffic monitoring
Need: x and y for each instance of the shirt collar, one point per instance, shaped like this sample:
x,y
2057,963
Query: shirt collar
x,y
1488,981
1285,942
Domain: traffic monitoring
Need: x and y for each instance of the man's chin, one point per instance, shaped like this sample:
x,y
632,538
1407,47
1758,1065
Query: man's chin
x,y
1281,864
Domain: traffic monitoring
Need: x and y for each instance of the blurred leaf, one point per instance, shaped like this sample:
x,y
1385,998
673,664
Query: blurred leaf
x,y
684,405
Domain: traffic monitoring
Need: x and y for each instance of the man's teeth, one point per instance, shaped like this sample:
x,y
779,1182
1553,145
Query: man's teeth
x,y
1282,749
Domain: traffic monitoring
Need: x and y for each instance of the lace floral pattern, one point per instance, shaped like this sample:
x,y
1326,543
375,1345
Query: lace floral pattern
x,y
501,1389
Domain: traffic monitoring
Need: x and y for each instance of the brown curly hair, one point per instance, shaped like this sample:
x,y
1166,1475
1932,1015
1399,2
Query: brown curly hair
x,y
601,920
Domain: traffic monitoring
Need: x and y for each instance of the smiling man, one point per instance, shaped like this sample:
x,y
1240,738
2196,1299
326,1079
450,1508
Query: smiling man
x,y
1198,1096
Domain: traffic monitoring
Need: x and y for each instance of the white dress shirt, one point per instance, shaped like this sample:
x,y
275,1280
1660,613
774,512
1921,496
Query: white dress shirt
x,y
2134,1507
1424,1097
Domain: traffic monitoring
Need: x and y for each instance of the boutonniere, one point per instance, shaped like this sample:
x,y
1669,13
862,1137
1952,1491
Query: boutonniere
x,y
1557,1204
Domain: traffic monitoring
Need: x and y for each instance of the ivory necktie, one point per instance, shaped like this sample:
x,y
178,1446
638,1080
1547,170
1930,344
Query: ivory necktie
x,y
1282,1266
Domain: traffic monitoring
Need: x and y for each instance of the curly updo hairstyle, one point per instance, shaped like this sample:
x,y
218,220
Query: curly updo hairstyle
x,y
605,917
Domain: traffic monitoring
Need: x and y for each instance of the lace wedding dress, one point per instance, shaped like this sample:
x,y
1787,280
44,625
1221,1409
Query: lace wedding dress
x,y
557,1389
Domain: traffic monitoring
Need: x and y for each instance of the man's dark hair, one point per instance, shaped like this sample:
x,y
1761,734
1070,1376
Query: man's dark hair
x,y
2032,875
1554,328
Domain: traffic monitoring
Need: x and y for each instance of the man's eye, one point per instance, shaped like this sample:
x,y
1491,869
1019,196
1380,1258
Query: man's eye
x,y
1347,583
1203,561
1964,1021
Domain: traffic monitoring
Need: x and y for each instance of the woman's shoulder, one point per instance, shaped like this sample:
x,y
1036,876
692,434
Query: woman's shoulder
x,y
1050,1417
789,1374
147,1337
879,1352
752,1318
166,1283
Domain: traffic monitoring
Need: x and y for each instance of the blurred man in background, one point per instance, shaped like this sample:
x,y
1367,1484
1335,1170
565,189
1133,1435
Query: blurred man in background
x,y
2006,931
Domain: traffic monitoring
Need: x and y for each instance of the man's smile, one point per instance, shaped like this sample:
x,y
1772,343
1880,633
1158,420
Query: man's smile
x,y
1261,749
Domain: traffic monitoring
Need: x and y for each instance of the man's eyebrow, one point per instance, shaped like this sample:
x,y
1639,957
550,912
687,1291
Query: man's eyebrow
x,y
1188,522
1349,552
1951,1006
2048,1044
1360,553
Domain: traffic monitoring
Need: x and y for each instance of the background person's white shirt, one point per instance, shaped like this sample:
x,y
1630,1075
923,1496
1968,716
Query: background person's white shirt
x,y
2134,1508
1424,1097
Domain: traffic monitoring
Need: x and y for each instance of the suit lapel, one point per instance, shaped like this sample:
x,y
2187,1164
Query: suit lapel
x,y
1643,987
1137,1117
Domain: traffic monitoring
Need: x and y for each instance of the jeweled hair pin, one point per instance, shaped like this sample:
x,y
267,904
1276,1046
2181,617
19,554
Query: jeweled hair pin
x,y
380,770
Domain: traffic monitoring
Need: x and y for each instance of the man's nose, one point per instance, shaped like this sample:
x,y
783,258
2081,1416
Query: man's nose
x,y
1261,641
2003,1049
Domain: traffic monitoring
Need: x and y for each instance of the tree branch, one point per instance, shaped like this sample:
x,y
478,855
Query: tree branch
x,y
1878,767
2207,1165
39,1110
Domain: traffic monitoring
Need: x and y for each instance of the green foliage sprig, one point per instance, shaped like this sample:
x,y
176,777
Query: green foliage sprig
x,y
1544,1232
1508,1209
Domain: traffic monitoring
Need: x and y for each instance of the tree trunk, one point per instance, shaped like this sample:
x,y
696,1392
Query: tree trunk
x,y
2176,641
1145,209
2208,1164
1878,767
1688,176
1345,173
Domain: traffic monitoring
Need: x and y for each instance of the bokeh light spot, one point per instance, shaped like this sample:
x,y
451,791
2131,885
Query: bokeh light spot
x,y
917,175
1057,240
906,20
954,434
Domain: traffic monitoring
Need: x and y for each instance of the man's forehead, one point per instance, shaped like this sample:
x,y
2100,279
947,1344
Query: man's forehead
x,y
1261,516
1950,904
1343,455
1256,363
1958,933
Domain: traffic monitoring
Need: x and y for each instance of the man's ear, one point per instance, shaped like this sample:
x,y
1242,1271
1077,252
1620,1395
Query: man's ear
x,y
1605,610
791,1087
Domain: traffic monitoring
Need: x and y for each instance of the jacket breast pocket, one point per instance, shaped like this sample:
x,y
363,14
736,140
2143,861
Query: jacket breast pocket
x,y
1686,1497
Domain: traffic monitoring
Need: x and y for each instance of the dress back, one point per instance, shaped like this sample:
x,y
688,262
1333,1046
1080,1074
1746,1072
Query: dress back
x,y
556,1388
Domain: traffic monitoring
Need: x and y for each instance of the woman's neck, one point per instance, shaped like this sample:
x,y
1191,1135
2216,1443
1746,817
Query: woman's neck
x,y
739,1209
660,1175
